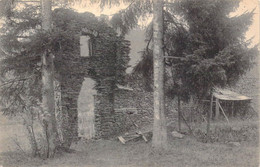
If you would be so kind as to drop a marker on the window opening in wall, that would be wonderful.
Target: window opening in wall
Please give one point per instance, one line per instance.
(86, 46)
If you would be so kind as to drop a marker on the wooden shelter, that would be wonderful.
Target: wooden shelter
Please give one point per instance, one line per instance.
(230, 102)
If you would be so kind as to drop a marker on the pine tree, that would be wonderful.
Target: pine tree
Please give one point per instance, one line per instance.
(204, 46)
(210, 45)
(127, 19)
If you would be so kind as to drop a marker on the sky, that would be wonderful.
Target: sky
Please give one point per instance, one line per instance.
(248, 5)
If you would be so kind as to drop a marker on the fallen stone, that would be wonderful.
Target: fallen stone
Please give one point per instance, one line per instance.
(121, 139)
(177, 135)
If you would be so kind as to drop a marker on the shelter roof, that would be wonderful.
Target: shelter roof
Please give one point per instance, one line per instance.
(225, 94)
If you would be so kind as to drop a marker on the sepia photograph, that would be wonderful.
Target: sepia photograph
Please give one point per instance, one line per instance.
(129, 83)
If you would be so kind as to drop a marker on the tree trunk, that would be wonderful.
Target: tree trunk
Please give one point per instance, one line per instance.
(28, 119)
(179, 113)
(48, 104)
(217, 109)
(159, 140)
(32, 140)
(209, 113)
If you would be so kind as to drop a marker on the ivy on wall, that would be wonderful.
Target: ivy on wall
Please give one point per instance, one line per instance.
(23, 42)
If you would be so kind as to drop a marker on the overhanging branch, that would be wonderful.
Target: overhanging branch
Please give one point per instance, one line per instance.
(15, 80)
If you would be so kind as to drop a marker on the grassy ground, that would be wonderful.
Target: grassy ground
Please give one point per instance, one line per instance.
(111, 153)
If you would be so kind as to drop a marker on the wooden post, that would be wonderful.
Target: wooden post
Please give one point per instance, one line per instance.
(211, 105)
(179, 113)
(217, 109)
(223, 112)
(232, 108)
(209, 113)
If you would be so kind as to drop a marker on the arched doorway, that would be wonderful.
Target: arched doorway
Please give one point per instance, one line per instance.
(86, 115)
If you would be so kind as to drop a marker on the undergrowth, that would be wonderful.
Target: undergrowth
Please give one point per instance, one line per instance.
(226, 134)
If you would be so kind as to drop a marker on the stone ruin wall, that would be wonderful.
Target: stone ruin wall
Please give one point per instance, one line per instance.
(111, 116)
(118, 114)
(136, 109)
(69, 84)
(115, 113)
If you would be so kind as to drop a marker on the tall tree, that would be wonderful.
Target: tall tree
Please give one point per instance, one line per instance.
(29, 22)
(128, 19)
(159, 140)
(12, 19)
(48, 101)
(20, 73)
(210, 44)
(205, 46)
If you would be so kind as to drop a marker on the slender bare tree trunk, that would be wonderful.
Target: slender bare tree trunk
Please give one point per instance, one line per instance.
(210, 113)
(217, 109)
(159, 140)
(48, 103)
(179, 113)
(28, 119)
(32, 140)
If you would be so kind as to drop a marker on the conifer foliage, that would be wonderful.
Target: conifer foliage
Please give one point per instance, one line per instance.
(210, 44)
(204, 47)
(23, 42)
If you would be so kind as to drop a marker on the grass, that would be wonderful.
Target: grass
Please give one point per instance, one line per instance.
(181, 152)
